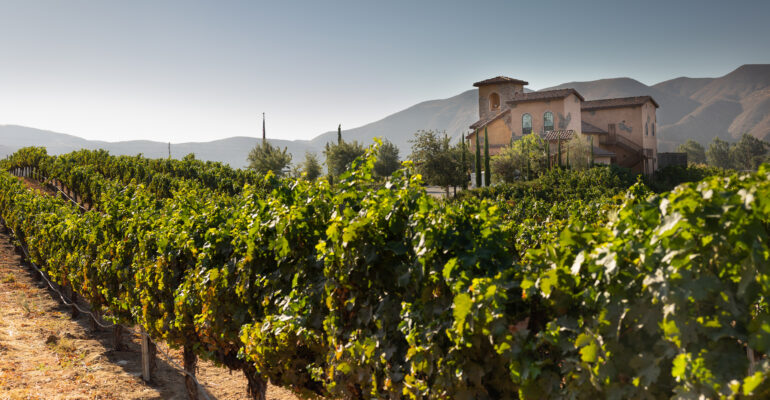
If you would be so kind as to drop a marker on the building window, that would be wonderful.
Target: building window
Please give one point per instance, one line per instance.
(547, 121)
(526, 124)
(646, 129)
(653, 129)
(494, 101)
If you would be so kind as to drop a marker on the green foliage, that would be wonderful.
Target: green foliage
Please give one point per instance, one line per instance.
(265, 157)
(579, 152)
(523, 159)
(487, 169)
(695, 151)
(387, 159)
(437, 160)
(748, 153)
(555, 185)
(567, 286)
(311, 167)
(718, 154)
(340, 156)
(666, 179)
(478, 161)
(464, 160)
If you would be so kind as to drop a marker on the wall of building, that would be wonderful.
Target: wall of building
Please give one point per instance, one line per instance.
(536, 109)
(504, 90)
(627, 120)
(628, 124)
(571, 115)
(499, 136)
(650, 141)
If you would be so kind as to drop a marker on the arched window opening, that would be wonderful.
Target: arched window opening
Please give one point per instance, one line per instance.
(646, 129)
(653, 129)
(547, 121)
(494, 101)
(526, 124)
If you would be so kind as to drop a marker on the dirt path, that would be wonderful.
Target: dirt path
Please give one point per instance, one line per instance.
(33, 184)
(45, 354)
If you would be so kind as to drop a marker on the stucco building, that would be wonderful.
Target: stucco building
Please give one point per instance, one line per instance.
(624, 129)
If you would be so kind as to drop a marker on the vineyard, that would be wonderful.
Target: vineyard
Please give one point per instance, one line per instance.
(577, 285)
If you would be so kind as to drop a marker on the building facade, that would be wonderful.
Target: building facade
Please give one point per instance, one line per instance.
(623, 130)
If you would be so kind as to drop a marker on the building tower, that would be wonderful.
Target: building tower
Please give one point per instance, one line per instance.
(494, 92)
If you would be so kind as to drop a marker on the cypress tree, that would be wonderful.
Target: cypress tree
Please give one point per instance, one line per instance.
(339, 134)
(478, 161)
(558, 143)
(591, 162)
(464, 166)
(487, 172)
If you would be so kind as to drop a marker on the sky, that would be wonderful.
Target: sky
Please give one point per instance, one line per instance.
(189, 70)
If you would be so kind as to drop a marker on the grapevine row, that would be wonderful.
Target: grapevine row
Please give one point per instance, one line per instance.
(381, 291)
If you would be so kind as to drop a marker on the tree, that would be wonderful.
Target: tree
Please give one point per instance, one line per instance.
(436, 160)
(580, 152)
(387, 159)
(464, 160)
(696, 153)
(487, 170)
(749, 153)
(522, 155)
(339, 134)
(339, 156)
(266, 157)
(311, 167)
(718, 154)
(478, 161)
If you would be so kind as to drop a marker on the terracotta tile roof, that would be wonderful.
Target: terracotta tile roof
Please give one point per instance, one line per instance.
(564, 134)
(544, 95)
(499, 79)
(484, 122)
(585, 127)
(618, 102)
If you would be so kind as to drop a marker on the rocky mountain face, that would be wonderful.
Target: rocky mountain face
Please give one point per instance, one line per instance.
(690, 108)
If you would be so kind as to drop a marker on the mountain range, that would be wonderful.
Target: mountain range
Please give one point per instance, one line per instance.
(690, 108)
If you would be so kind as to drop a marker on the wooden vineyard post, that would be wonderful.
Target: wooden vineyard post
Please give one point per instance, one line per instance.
(117, 340)
(95, 320)
(73, 298)
(190, 361)
(148, 357)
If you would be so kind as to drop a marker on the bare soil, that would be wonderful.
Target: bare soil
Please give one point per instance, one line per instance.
(46, 354)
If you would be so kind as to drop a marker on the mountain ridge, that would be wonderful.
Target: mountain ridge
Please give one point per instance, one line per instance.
(691, 108)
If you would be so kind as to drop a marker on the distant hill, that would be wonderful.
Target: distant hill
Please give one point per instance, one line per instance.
(690, 108)
(452, 115)
(232, 150)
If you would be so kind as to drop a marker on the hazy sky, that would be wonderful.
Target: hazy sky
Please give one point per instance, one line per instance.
(202, 70)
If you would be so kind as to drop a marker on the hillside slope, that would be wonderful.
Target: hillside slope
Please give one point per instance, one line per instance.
(452, 115)
(690, 108)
